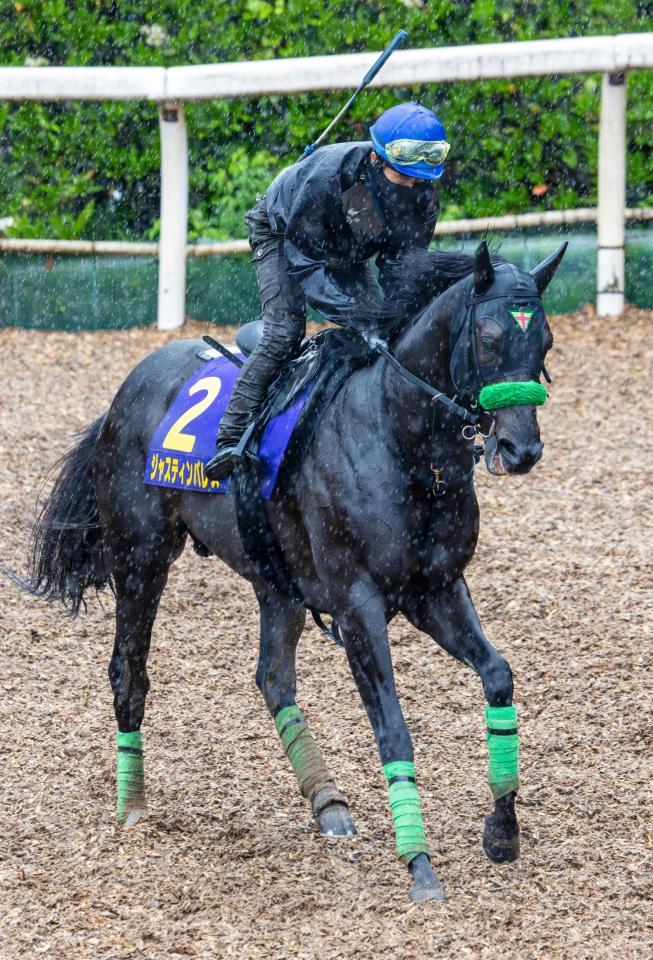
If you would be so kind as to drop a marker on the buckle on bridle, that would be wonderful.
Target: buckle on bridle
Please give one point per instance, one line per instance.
(439, 487)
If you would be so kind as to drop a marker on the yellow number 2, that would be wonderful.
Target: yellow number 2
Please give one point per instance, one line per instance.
(184, 442)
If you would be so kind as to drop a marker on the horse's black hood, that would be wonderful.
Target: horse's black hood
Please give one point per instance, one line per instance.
(501, 330)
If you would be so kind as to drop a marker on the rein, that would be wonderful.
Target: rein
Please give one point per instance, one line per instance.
(452, 406)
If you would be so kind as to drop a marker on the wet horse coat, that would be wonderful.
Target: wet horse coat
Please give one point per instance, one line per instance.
(359, 527)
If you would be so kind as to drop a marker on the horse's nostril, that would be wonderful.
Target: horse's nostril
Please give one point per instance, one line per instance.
(520, 455)
(508, 450)
(533, 452)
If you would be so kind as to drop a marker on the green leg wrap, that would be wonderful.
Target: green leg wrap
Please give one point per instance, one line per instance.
(129, 773)
(503, 746)
(406, 811)
(315, 781)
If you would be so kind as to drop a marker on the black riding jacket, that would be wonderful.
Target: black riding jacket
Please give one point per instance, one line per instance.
(335, 210)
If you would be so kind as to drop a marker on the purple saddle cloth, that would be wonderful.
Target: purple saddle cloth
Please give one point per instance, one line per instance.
(184, 440)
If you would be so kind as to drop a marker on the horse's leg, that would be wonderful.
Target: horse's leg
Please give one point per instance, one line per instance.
(281, 628)
(138, 591)
(450, 618)
(364, 628)
(142, 537)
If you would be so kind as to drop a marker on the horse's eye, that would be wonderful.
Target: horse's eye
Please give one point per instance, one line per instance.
(489, 340)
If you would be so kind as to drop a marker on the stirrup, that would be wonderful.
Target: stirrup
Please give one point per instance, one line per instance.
(228, 457)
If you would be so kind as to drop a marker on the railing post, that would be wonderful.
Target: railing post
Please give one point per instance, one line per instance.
(174, 216)
(611, 266)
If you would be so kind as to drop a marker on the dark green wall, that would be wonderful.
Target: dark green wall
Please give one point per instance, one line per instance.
(73, 293)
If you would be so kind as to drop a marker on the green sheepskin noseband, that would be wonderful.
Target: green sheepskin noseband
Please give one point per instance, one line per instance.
(512, 394)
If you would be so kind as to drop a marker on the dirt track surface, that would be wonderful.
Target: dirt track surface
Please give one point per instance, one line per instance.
(229, 865)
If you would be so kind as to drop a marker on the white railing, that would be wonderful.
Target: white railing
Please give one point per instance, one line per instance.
(171, 87)
(222, 248)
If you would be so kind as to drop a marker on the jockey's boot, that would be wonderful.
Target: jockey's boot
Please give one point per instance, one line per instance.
(230, 455)
(223, 462)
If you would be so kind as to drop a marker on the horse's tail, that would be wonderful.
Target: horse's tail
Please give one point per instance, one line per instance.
(66, 552)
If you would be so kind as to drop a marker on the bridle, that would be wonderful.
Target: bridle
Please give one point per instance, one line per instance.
(464, 318)
(476, 421)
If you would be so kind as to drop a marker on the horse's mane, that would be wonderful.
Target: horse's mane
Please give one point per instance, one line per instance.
(417, 276)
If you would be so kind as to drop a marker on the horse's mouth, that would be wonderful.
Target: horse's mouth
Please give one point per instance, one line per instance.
(493, 459)
(505, 458)
(496, 465)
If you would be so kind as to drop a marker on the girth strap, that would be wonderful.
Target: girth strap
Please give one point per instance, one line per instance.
(262, 549)
(256, 534)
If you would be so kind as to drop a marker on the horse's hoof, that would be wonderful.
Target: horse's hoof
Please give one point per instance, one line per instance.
(133, 817)
(501, 839)
(426, 885)
(335, 821)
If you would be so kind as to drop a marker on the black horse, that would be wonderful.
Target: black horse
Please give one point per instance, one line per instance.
(381, 518)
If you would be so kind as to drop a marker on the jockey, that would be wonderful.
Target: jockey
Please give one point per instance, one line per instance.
(312, 236)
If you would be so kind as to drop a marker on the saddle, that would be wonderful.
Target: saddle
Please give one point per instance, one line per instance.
(323, 365)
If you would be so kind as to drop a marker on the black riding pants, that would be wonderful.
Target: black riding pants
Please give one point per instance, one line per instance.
(284, 316)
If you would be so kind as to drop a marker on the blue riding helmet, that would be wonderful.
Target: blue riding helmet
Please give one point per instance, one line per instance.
(412, 140)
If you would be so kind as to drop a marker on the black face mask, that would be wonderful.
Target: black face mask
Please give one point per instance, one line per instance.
(399, 206)
(500, 335)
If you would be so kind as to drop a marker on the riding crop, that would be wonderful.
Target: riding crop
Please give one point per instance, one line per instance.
(396, 41)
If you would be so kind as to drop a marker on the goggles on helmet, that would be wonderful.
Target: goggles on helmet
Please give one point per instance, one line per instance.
(408, 152)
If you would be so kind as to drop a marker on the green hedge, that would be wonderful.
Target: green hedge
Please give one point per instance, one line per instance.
(92, 170)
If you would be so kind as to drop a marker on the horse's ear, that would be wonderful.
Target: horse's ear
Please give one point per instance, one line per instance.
(483, 269)
(543, 273)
